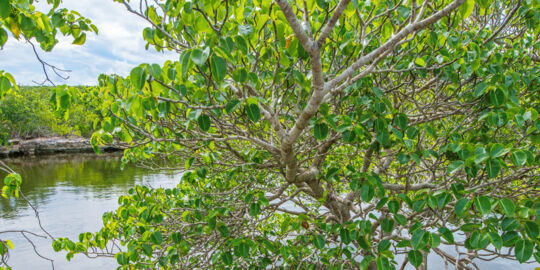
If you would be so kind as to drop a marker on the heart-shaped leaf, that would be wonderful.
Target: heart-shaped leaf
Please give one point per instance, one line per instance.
(320, 131)
(204, 122)
(253, 112)
(415, 257)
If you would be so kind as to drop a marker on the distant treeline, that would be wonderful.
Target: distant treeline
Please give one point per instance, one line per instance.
(31, 112)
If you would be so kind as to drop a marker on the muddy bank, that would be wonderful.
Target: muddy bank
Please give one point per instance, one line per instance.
(53, 145)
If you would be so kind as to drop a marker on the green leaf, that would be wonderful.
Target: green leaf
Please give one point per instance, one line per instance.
(418, 239)
(156, 237)
(331, 173)
(177, 237)
(254, 209)
(400, 120)
(345, 235)
(219, 68)
(509, 224)
(496, 240)
(523, 250)
(383, 263)
(482, 204)
(401, 219)
(355, 184)
(5, 84)
(380, 107)
(480, 89)
(378, 92)
(232, 106)
(320, 131)
(241, 44)
(227, 258)
(403, 158)
(243, 249)
(367, 192)
(138, 77)
(386, 30)
(393, 206)
(462, 205)
(319, 241)
(80, 39)
(204, 122)
(498, 150)
(507, 206)
(199, 56)
(519, 157)
(3, 36)
(240, 75)
(480, 157)
(223, 230)
(122, 258)
(419, 61)
(537, 256)
(154, 70)
(435, 240)
(387, 225)
(446, 234)
(383, 137)
(466, 9)
(5, 9)
(403, 11)
(493, 168)
(147, 250)
(415, 257)
(383, 245)
(65, 101)
(455, 166)
(483, 3)
(253, 112)
(497, 97)
(363, 242)
(532, 229)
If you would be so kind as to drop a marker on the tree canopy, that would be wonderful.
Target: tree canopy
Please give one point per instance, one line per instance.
(328, 134)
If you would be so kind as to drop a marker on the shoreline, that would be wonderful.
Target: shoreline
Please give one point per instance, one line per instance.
(52, 146)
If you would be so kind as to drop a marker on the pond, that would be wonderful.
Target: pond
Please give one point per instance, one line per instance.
(72, 192)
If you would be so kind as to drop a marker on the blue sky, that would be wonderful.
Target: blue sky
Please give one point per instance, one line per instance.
(117, 48)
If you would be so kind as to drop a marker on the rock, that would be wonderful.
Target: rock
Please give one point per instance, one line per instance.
(53, 145)
(14, 141)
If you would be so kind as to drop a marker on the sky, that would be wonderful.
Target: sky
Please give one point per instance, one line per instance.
(118, 47)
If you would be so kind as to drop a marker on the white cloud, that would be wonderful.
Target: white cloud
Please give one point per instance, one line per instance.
(117, 49)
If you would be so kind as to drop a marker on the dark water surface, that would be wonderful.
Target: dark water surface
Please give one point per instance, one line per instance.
(71, 193)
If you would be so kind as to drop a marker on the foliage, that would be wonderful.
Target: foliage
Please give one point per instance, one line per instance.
(33, 112)
(7, 82)
(329, 134)
(27, 113)
(78, 107)
(11, 188)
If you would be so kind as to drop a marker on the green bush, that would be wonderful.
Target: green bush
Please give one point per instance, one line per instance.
(26, 113)
(35, 112)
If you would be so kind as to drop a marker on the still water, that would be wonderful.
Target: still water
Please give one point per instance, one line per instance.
(72, 192)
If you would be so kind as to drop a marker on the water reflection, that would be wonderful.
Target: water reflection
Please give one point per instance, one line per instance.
(71, 193)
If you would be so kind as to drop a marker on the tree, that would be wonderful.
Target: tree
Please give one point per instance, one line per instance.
(328, 134)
